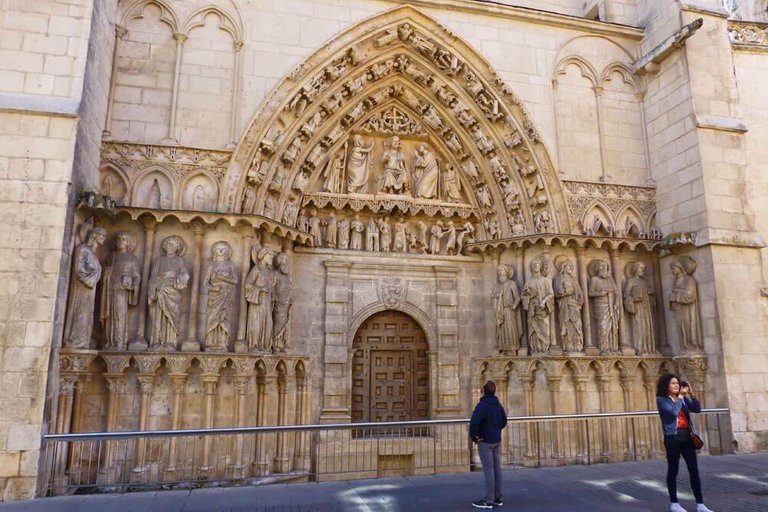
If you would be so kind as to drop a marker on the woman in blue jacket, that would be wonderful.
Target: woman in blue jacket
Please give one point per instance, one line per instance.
(675, 401)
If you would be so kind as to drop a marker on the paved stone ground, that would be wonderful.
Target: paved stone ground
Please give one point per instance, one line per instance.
(732, 483)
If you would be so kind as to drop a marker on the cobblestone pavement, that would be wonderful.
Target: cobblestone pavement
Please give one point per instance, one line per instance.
(732, 483)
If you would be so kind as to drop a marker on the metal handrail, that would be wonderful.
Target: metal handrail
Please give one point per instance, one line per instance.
(139, 434)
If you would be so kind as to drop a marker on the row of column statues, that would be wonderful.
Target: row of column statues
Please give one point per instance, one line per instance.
(350, 169)
(266, 290)
(379, 235)
(554, 308)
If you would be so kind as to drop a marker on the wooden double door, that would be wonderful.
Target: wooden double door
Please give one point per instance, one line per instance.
(390, 369)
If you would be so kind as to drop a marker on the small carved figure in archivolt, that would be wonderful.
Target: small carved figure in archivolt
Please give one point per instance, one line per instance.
(334, 172)
(393, 178)
(86, 272)
(465, 236)
(436, 236)
(282, 307)
(169, 277)
(220, 283)
(450, 241)
(119, 291)
(259, 289)
(302, 222)
(684, 303)
(539, 301)
(427, 173)
(316, 228)
(638, 302)
(570, 298)
(358, 165)
(357, 228)
(603, 291)
(505, 301)
(331, 231)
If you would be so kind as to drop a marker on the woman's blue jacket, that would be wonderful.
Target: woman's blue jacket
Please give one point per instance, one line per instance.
(669, 410)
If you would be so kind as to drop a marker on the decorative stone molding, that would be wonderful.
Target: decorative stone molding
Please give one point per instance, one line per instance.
(578, 241)
(748, 35)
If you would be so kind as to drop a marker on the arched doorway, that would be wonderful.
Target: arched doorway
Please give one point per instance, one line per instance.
(390, 369)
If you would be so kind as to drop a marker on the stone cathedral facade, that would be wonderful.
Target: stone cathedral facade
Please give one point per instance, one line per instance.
(243, 212)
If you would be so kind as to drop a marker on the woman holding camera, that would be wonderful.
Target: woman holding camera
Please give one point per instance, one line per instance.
(675, 401)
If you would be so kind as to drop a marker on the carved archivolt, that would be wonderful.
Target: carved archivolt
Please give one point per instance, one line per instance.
(399, 74)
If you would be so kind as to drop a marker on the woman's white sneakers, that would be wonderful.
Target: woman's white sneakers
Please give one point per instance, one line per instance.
(675, 507)
(700, 507)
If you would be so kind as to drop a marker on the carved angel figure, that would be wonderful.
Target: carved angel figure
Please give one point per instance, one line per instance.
(169, 277)
(86, 272)
(120, 289)
(427, 173)
(220, 282)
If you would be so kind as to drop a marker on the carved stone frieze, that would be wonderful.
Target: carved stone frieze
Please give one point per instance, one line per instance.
(748, 34)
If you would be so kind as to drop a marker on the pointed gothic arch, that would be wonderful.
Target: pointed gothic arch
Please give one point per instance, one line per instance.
(400, 58)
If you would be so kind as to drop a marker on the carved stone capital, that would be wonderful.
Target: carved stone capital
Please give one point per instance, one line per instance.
(180, 38)
(67, 385)
(120, 32)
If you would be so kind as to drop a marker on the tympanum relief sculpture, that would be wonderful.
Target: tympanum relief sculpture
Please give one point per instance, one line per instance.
(120, 290)
(684, 303)
(86, 272)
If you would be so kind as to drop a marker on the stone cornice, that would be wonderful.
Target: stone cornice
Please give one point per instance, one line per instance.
(530, 15)
(576, 241)
(39, 105)
(703, 8)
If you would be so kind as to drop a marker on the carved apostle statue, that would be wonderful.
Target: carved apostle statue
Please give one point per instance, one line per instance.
(505, 301)
(358, 165)
(343, 234)
(282, 307)
(220, 283)
(603, 291)
(168, 278)
(684, 303)
(86, 272)
(120, 290)
(259, 288)
(394, 176)
(638, 303)
(539, 301)
(357, 228)
(570, 298)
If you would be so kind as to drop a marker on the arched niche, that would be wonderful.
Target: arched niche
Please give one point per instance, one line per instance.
(113, 183)
(472, 115)
(199, 192)
(153, 189)
(598, 221)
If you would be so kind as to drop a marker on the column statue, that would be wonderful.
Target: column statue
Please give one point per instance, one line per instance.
(538, 300)
(220, 283)
(570, 298)
(119, 291)
(259, 287)
(684, 303)
(638, 303)
(603, 290)
(282, 308)
(169, 276)
(86, 272)
(505, 301)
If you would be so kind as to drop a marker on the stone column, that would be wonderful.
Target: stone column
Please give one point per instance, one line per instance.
(260, 460)
(171, 137)
(652, 423)
(553, 382)
(146, 383)
(241, 344)
(211, 384)
(76, 451)
(603, 382)
(115, 383)
(281, 461)
(233, 128)
(433, 390)
(531, 449)
(661, 322)
(63, 424)
(120, 33)
(601, 131)
(140, 343)
(580, 384)
(300, 451)
(179, 384)
(586, 319)
(630, 434)
(624, 343)
(192, 344)
(242, 384)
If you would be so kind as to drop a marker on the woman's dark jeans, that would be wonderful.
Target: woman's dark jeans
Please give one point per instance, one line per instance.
(675, 449)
